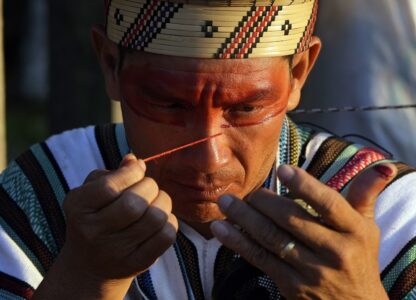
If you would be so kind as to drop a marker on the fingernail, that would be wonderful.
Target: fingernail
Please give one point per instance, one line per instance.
(219, 229)
(142, 164)
(224, 202)
(384, 171)
(286, 173)
(127, 158)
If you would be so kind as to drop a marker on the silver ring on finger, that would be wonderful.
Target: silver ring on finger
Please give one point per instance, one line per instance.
(287, 249)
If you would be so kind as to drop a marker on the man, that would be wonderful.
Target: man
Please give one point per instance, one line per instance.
(177, 228)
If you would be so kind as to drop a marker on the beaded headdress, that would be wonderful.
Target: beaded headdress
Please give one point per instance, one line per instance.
(213, 29)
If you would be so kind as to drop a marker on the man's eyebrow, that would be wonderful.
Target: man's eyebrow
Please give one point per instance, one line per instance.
(258, 95)
(254, 96)
(162, 94)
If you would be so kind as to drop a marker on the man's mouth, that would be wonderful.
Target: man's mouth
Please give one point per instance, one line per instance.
(205, 192)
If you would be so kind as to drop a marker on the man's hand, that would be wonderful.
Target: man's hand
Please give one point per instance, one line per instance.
(334, 256)
(118, 224)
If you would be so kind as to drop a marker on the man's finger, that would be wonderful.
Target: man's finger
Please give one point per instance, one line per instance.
(334, 210)
(130, 206)
(286, 214)
(256, 255)
(95, 175)
(367, 186)
(255, 224)
(148, 252)
(155, 218)
(106, 189)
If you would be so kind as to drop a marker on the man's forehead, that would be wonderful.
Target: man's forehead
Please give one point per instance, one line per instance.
(142, 61)
(230, 81)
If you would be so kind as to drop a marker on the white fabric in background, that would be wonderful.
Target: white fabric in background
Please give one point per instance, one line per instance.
(368, 58)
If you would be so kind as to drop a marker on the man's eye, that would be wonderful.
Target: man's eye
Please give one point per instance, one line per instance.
(177, 105)
(245, 109)
(170, 106)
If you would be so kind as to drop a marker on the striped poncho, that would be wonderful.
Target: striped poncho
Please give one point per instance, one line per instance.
(32, 223)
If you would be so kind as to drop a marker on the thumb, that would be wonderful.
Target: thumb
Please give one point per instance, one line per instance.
(127, 159)
(367, 186)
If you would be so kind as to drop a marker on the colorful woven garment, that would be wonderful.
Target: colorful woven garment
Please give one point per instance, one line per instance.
(32, 223)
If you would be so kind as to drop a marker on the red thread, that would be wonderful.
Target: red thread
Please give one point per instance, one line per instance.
(181, 148)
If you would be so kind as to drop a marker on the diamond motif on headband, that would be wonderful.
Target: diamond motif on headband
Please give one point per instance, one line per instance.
(209, 29)
(118, 16)
(287, 27)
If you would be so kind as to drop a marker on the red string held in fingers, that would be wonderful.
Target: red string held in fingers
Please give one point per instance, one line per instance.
(181, 148)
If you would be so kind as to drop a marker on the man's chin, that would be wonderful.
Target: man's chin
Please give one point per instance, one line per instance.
(199, 213)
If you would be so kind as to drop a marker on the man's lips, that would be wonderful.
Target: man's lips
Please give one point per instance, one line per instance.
(208, 192)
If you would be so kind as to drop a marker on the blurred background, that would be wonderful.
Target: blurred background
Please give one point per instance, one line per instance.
(368, 59)
(53, 82)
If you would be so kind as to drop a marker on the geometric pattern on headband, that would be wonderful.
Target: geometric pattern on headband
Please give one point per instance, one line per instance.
(213, 29)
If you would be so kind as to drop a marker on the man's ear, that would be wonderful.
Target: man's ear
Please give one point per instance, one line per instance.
(108, 57)
(302, 65)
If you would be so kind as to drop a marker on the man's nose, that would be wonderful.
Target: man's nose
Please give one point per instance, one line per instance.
(212, 155)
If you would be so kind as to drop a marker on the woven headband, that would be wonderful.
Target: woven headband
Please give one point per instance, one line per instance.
(213, 29)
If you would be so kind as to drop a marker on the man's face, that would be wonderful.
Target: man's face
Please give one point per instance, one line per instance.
(169, 101)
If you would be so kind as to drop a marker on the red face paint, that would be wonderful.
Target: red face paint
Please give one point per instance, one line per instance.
(169, 152)
(271, 116)
(270, 110)
(210, 95)
(143, 105)
(179, 118)
(157, 106)
(141, 111)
